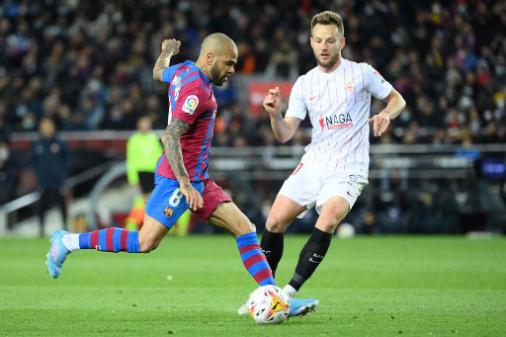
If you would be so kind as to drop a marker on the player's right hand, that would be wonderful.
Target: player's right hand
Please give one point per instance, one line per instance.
(193, 197)
(272, 102)
(172, 45)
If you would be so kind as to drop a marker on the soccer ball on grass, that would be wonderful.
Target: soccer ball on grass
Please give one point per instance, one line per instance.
(268, 305)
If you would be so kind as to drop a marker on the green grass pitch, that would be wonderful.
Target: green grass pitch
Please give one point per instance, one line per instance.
(368, 286)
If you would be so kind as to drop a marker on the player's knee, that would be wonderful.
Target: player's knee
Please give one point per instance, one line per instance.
(275, 225)
(329, 222)
(332, 215)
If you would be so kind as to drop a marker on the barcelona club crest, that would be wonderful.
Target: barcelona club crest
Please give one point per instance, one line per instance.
(167, 211)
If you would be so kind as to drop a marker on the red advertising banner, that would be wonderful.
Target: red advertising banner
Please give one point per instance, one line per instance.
(258, 90)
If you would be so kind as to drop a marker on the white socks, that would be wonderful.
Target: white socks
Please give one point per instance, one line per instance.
(71, 241)
(290, 291)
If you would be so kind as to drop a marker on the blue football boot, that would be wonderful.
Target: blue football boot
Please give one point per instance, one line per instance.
(302, 307)
(57, 254)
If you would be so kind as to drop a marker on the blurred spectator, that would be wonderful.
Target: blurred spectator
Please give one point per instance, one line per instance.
(143, 151)
(283, 63)
(50, 162)
(8, 172)
(467, 149)
(87, 64)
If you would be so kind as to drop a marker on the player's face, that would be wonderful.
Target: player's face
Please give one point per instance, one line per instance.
(327, 45)
(223, 67)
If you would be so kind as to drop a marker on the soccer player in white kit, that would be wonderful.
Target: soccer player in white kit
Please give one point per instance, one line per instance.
(336, 95)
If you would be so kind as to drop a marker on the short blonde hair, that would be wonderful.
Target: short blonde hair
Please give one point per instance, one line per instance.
(328, 18)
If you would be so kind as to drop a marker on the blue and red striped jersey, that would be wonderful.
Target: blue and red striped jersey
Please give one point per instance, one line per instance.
(191, 100)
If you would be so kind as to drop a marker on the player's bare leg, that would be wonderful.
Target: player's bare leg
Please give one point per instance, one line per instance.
(284, 210)
(151, 233)
(229, 217)
(332, 213)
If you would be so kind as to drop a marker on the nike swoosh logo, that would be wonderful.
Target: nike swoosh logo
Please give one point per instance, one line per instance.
(311, 259)
(312, 98)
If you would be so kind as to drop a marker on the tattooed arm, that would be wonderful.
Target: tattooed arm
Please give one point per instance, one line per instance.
(170, 140)
(169, 49)
(172, 146)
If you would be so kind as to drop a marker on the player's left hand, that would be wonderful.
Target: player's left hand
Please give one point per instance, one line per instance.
(272, 102)
(172, 45)
(380, 123)
(193, 197)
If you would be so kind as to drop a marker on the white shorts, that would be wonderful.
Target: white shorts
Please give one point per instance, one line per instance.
(308, 186)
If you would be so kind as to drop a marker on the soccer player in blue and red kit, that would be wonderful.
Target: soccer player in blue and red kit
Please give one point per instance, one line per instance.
(182, 180)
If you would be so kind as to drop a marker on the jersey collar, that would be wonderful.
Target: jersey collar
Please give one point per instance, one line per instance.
(343, 60)
(202, 75)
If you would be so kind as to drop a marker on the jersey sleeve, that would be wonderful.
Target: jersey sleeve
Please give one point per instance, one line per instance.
(189, 104)
(296, 105)
(375, 83)
(168, 73)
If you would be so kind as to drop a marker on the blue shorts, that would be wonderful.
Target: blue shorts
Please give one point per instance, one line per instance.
(166, 203)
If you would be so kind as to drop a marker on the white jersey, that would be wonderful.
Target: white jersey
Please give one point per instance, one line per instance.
(339, 105)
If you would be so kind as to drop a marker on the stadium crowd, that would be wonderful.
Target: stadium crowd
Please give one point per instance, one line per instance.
(88, 64)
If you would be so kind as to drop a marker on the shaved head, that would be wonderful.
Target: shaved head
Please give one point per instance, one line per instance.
(217, 58)
(218, 44)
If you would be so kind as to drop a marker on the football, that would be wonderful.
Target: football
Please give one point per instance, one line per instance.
(268, 305)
